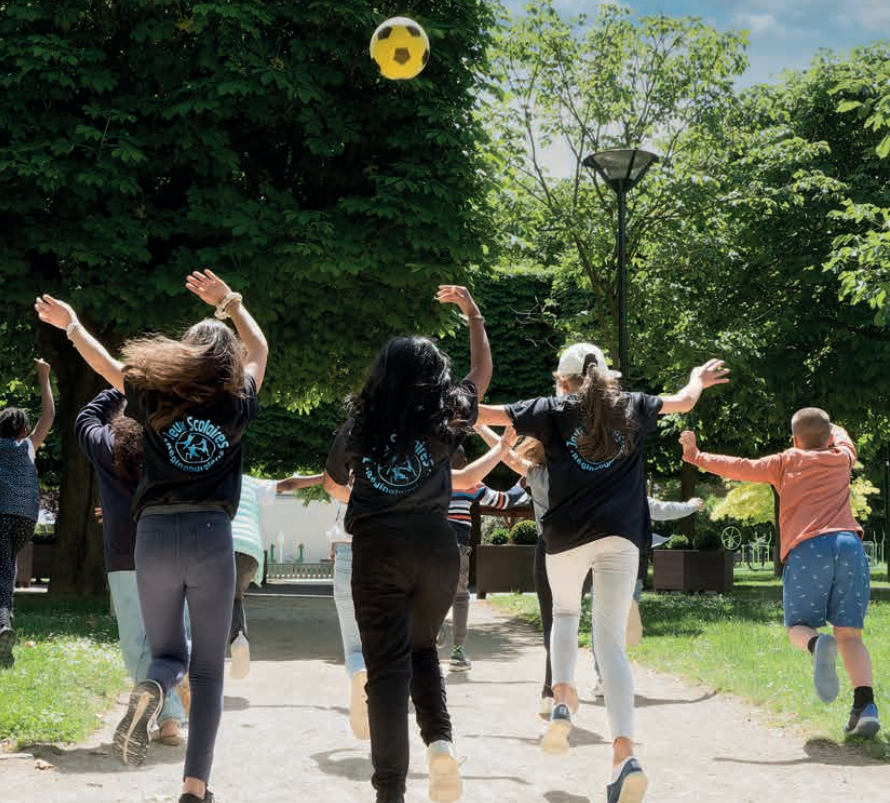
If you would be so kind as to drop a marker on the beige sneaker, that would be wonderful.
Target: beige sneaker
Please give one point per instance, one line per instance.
(446, 785)
(634, 625)
(358, 706)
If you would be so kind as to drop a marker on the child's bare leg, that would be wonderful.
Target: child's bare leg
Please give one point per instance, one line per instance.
(855, 656)
(800, 636)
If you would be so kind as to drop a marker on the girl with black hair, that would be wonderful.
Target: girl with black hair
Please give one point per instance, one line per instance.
(195, 398)
(396, 449)
(19, 496)
(596, 518)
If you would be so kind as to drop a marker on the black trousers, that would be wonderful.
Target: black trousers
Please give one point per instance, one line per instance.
(545, 603)
(15, 534)
(245, 570)
(403, 583)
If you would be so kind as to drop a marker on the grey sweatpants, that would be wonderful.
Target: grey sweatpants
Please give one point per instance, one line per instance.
(460, 608)
(188, 557)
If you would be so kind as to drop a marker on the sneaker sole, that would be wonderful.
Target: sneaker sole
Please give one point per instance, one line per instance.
(358, 707)
(240, 667)
(457, 667)
(7, 642)
(555, 741)
(446, 785)
(825, 669)
(132, 737)
(866, 728)
(633, 790)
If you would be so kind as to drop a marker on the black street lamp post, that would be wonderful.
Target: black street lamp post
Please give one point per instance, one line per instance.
(621, 170)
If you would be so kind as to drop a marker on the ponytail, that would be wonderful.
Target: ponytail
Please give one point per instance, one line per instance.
(607, 419)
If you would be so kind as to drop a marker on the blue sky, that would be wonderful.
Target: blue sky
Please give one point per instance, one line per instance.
(784, 34)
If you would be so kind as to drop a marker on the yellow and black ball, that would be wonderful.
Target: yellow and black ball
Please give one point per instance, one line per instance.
(401, 48)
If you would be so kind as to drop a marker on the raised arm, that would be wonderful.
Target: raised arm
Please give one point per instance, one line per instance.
(478, 469)
(494, 415)
(713, 372)
(766, 469)
(338, 492)
(210, 288)
(61, 315)
(480, 352)
(519, 464)
(47, 406)
(296, 483)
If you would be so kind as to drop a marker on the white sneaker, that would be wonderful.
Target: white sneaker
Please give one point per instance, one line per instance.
(446, 785)
(598, 690)
(546, 707)
(634, 625)
(358, 706)
(240, 667)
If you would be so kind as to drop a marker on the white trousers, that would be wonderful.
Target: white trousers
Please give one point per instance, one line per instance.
(614, 561)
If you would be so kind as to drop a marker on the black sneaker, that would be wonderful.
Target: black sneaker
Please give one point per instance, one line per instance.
(630, 786)
(7, 642)
(132, 736)
(556, 737)
(188, 797)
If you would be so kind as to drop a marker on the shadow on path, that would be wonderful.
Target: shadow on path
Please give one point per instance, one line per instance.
(819, 751)
(100, 759)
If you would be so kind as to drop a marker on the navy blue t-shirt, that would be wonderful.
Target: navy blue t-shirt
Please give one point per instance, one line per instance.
(387, 489)
(93, 429)
(589, 500)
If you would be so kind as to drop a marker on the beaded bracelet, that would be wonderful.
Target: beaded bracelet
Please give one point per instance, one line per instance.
(223, 306)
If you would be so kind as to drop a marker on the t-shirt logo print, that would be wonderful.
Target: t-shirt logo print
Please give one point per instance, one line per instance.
(583, 462)
(195, 444)
(398, 474)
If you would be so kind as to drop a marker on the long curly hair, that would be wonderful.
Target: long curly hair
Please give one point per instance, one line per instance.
(13, 422)
(608, 423)
(408, 395)
(128, 451)
(206, 363)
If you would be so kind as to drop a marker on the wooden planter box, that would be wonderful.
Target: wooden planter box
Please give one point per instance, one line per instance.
(504, 569)
(692, 570)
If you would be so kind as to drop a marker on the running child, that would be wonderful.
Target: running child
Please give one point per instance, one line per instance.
(826, 577)
(593, 435)
(396, 449)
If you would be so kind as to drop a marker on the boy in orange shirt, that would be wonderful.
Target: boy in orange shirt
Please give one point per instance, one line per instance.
(826, 576)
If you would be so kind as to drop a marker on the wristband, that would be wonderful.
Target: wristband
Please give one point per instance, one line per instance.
(223, 306)
(72, 327)
(476, 318)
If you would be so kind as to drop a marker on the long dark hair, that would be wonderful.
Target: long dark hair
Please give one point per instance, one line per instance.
(207, 362)
(128, 451)
(607, 419)
(408, 396)
(13, 421)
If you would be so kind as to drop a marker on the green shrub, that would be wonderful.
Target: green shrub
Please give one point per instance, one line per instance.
(678, 542)
(708, 539)
(44, 534)
(524, 533)
(500, 537)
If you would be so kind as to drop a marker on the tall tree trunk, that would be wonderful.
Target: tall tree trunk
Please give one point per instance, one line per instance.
(78, 562)
(688, 481)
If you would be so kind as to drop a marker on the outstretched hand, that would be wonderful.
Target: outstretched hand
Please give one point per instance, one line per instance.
(508, 439)
(455, 294)
(207, 286)
(54, 312)
(689, 444)
(713, 372)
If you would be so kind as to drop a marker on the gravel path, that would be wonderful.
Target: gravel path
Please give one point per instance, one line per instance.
(285, 736)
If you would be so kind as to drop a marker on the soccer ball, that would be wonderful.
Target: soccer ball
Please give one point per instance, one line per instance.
(401, 48)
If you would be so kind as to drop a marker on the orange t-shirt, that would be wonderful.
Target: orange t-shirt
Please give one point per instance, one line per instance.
(813, 486)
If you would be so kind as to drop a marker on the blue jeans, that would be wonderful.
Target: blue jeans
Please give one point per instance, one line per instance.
(134, 644)
(352, 641)
(188, 558)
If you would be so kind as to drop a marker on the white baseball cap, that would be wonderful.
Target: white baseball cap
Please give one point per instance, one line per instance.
(571, 363)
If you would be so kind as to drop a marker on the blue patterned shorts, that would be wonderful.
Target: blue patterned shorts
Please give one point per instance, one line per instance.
(827, 579)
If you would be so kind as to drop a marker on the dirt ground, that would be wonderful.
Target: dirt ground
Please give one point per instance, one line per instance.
(285, 735)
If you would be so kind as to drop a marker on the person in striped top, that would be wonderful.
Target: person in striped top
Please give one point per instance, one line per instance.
(462, 500)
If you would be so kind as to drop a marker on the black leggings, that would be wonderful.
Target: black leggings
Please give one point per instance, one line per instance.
(15, 534)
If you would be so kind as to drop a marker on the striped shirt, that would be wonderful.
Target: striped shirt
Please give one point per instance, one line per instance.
(462, 500)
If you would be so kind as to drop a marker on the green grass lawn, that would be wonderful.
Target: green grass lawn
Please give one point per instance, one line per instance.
(736, 643)
(61, 684)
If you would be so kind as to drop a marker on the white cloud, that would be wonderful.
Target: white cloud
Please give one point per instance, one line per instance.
(756, 23)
